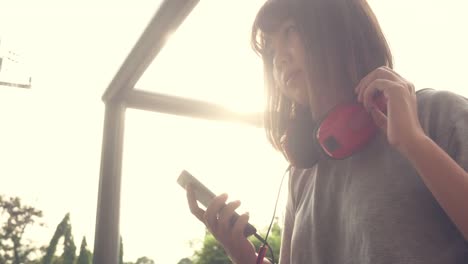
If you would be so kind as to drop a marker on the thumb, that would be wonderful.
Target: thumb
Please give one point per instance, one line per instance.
(380, 119)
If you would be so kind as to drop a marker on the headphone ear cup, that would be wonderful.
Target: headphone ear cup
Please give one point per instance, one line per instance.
(299, 143)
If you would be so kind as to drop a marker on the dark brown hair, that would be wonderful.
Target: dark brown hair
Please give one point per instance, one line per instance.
(344, 42)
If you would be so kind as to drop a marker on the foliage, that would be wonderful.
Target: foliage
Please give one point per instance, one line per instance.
(185, 261)
(69, 251)
(213, 253)
(13, 248)
(15, 218)
(85, 254)
(144, 260)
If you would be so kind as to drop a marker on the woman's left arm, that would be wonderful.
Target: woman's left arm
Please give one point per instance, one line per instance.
(447, 181)
(445, 178)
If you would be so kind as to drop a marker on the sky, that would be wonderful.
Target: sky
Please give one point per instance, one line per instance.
(50, 137)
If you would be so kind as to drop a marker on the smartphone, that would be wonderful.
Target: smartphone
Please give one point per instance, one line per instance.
(204, 196)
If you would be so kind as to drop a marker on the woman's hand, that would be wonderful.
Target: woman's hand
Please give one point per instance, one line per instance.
(401, 124)
(217, 219)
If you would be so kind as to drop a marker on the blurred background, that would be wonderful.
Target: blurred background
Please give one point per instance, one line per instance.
(58, 57)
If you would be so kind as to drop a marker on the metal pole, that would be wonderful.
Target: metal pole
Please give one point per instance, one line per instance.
(107, 235)
(162, 103)
(167, 19)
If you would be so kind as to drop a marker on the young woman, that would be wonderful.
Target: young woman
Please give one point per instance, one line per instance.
(403, 198)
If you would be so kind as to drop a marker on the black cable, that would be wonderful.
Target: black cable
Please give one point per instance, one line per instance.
(272, 254)
(264, 241)
(259, 238)
(276, 203)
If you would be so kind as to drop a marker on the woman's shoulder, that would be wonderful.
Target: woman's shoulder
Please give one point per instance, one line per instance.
(444, 117)
(430, 99)
(440, 110)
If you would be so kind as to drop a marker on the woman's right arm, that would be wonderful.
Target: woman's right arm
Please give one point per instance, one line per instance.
(217, 219)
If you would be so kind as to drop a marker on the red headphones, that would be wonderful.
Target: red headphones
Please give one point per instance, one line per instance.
(345, 130)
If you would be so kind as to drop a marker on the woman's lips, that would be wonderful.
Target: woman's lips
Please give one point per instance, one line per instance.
(291, 77)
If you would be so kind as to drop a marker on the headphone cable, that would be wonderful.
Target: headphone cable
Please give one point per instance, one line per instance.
(261, 253)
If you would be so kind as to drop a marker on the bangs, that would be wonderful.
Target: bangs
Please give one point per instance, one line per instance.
(270, 16)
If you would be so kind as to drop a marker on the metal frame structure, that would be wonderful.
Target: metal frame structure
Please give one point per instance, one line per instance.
(118, 97)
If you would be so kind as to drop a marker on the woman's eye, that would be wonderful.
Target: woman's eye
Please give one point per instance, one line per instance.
(291, 29)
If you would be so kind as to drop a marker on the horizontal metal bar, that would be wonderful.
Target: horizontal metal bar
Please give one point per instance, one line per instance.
(187, 107)
(17, 85)
(166, 20)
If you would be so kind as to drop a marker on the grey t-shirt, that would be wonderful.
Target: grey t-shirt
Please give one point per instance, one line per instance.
(373, 208)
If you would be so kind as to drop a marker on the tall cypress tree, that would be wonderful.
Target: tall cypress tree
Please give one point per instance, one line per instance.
(85, 255)
(69, 250)
(59, 232)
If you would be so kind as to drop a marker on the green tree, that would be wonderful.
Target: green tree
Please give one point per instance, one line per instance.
(85, 254)
(185, 261)
(15, 218)
(213, 253)
(144, 260)
(69, 250)
(59, 232)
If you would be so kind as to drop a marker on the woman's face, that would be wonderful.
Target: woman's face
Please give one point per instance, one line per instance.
(289, 68)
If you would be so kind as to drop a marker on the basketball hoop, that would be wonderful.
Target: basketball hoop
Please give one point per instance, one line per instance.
(13, 69)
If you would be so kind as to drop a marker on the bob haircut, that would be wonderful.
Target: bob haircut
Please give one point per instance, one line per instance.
(343, 41)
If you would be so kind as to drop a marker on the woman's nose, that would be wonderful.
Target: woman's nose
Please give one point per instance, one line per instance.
(282, 59)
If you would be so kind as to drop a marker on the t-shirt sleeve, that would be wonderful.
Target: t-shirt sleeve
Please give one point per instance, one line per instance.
(444, 117)
(285, 252)
(458, 142)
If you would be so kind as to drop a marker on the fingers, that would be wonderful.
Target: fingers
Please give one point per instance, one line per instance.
(382, 73)
(194, 208)
(380, 119)
(225, 220)
(239, 226)
(379, 73)
(211, 214)
(220, 218)
(367, 95)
